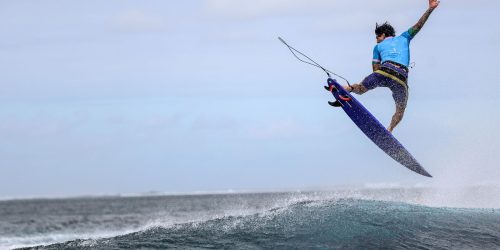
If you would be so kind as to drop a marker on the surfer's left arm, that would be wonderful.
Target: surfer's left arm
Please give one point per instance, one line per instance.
(433, 4)
(376, 59)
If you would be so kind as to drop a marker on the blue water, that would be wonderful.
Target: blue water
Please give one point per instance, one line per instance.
(244, 221)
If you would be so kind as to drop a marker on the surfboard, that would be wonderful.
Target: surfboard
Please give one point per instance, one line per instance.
(373, 129)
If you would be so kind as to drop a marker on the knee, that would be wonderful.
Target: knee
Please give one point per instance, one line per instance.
(359, 89)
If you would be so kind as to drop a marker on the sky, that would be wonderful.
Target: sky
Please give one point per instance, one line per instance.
(118, 97)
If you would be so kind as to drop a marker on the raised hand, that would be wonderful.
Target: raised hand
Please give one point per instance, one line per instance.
(433, 4)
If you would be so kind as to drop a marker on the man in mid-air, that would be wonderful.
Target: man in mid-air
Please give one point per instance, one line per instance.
(391, 57)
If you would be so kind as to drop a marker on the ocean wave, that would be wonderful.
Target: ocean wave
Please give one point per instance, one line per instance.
(319, 223)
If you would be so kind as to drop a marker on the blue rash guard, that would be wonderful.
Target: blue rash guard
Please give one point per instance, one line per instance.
(396, 49)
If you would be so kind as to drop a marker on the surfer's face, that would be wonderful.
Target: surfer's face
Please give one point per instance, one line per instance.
(380, 37)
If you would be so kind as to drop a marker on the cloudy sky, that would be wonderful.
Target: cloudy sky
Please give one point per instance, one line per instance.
(106, 97)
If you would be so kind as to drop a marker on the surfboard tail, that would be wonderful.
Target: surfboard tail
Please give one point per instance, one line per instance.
(424, 173)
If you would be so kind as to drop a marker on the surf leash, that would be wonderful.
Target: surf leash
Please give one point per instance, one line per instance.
(311, 61)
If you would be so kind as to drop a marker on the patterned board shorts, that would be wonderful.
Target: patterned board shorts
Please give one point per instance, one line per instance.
(391, 77)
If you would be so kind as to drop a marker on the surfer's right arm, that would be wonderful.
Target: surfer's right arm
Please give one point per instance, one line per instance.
(418, 26)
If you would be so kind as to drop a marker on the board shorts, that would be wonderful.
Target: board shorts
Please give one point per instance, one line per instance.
(392, 76)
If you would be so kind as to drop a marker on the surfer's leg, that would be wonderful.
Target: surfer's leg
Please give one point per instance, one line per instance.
(397, 117)
(400, 95)
(370, 82)
(356, 88)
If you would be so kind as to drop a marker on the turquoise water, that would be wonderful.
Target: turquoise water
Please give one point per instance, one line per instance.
(243, 221)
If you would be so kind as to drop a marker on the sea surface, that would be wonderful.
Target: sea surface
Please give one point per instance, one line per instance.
(388, 218)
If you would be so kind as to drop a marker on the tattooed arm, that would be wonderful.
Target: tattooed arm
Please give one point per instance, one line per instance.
(418, 26)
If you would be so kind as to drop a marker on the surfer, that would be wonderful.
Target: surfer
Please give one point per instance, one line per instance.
(391, 57)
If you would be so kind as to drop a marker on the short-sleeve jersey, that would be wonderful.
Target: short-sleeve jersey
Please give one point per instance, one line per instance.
(396, 49)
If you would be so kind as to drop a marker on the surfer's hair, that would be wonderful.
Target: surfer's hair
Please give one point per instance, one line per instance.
(385, 28)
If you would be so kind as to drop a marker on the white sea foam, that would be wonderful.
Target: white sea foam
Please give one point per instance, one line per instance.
(52, 238)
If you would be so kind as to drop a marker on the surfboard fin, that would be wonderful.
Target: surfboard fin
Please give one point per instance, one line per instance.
(335, 104)
(330, 88)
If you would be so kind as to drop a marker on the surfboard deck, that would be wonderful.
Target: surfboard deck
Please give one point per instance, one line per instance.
(374, 130)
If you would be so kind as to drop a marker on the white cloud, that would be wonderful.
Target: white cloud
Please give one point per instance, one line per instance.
(258, 8)
(139, 20)
(285, 128)
(215, 123)
(276, 8)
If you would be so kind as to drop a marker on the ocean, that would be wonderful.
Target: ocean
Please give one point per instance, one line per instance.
(373, 218)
